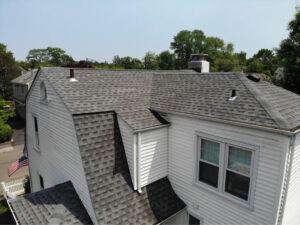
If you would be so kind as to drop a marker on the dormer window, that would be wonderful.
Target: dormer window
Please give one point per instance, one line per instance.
(43, 92)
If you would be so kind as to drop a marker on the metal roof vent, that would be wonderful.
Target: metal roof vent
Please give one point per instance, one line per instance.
(233, 95)
(253, 77)
(72, 76)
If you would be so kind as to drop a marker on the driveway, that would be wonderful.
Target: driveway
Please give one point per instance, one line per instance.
(11, 151)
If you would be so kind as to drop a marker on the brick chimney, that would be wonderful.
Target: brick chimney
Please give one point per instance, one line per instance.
(199, 63)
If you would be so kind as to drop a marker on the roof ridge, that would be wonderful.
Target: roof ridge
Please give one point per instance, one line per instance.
(271, 111)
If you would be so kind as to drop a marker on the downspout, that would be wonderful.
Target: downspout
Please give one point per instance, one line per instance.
(286, 181)
(138, 162)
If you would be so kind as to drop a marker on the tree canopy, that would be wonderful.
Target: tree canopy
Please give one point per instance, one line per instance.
(8, 70)
(264, 61)
(289, 54)
(220, 55)
(150, 61)
(48, 57)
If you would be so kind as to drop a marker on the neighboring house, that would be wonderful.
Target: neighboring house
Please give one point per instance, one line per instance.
(170, 147)
(21, 85)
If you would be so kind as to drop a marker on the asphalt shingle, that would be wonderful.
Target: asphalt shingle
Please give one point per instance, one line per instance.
(56, 205)
(108, 177)
(132, 93)
(26, 77)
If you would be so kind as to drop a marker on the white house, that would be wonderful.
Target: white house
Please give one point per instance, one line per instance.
(145, 147)
(21, 85)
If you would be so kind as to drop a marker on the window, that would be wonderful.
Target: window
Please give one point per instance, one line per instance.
(226, 167)
(43, 92)
(36, 133)
(41, 182)
(238, 172)
(193, 220)
(209, 162)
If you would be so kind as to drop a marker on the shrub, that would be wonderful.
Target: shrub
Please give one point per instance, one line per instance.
(6, 133)
(27, 184)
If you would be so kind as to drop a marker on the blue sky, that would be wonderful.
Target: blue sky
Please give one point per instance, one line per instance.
(101, 29)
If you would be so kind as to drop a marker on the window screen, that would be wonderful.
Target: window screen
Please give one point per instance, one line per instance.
(238, 172)
(209, 162)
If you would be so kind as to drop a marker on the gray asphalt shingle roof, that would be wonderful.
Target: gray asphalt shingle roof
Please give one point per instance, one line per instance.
(131, 93)
(56, 205)
(109, 182)
(26, 77)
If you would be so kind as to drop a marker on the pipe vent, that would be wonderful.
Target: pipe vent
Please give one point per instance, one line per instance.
(72, 76)
(233, 95)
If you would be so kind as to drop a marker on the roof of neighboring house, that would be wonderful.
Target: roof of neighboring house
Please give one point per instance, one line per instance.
(26, 77)
(132, 93)
(109, 182)
(22, 69)
(56, 205)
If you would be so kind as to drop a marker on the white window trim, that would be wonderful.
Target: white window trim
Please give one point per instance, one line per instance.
(35, 146)
(223, 160)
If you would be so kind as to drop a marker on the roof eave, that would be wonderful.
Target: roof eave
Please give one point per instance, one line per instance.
(284, 131)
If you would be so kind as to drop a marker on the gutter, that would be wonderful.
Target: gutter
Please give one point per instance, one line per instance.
(151, 128)
(231, 122)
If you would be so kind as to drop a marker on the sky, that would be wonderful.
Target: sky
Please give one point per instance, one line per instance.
(100, 29)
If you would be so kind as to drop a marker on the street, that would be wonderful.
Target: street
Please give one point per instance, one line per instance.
(11, 151)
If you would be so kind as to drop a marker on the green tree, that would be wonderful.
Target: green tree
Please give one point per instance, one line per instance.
(264, 61)
(130, 63)
(289, 53)
(220, 55)
(24, 64)
(150, 61)
(166, 60)
(48, 57)
(117, 60)
(6, 112)
(8, 71)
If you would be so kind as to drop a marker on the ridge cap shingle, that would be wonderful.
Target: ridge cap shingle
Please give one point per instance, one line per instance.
(259, 96)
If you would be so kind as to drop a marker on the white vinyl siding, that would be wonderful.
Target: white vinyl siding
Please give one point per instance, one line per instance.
(153, 155)
(128, 142)
(213, 208)
(59, 158)
(292, 207)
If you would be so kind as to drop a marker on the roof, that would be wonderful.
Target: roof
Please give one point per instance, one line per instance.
(56, 205)
(132, 93)
(127, 92)
(109, 182)
(26, 77)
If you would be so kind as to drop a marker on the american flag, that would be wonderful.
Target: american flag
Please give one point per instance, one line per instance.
(23, 161)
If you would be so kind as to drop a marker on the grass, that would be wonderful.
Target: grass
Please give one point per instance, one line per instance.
(3, 206)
